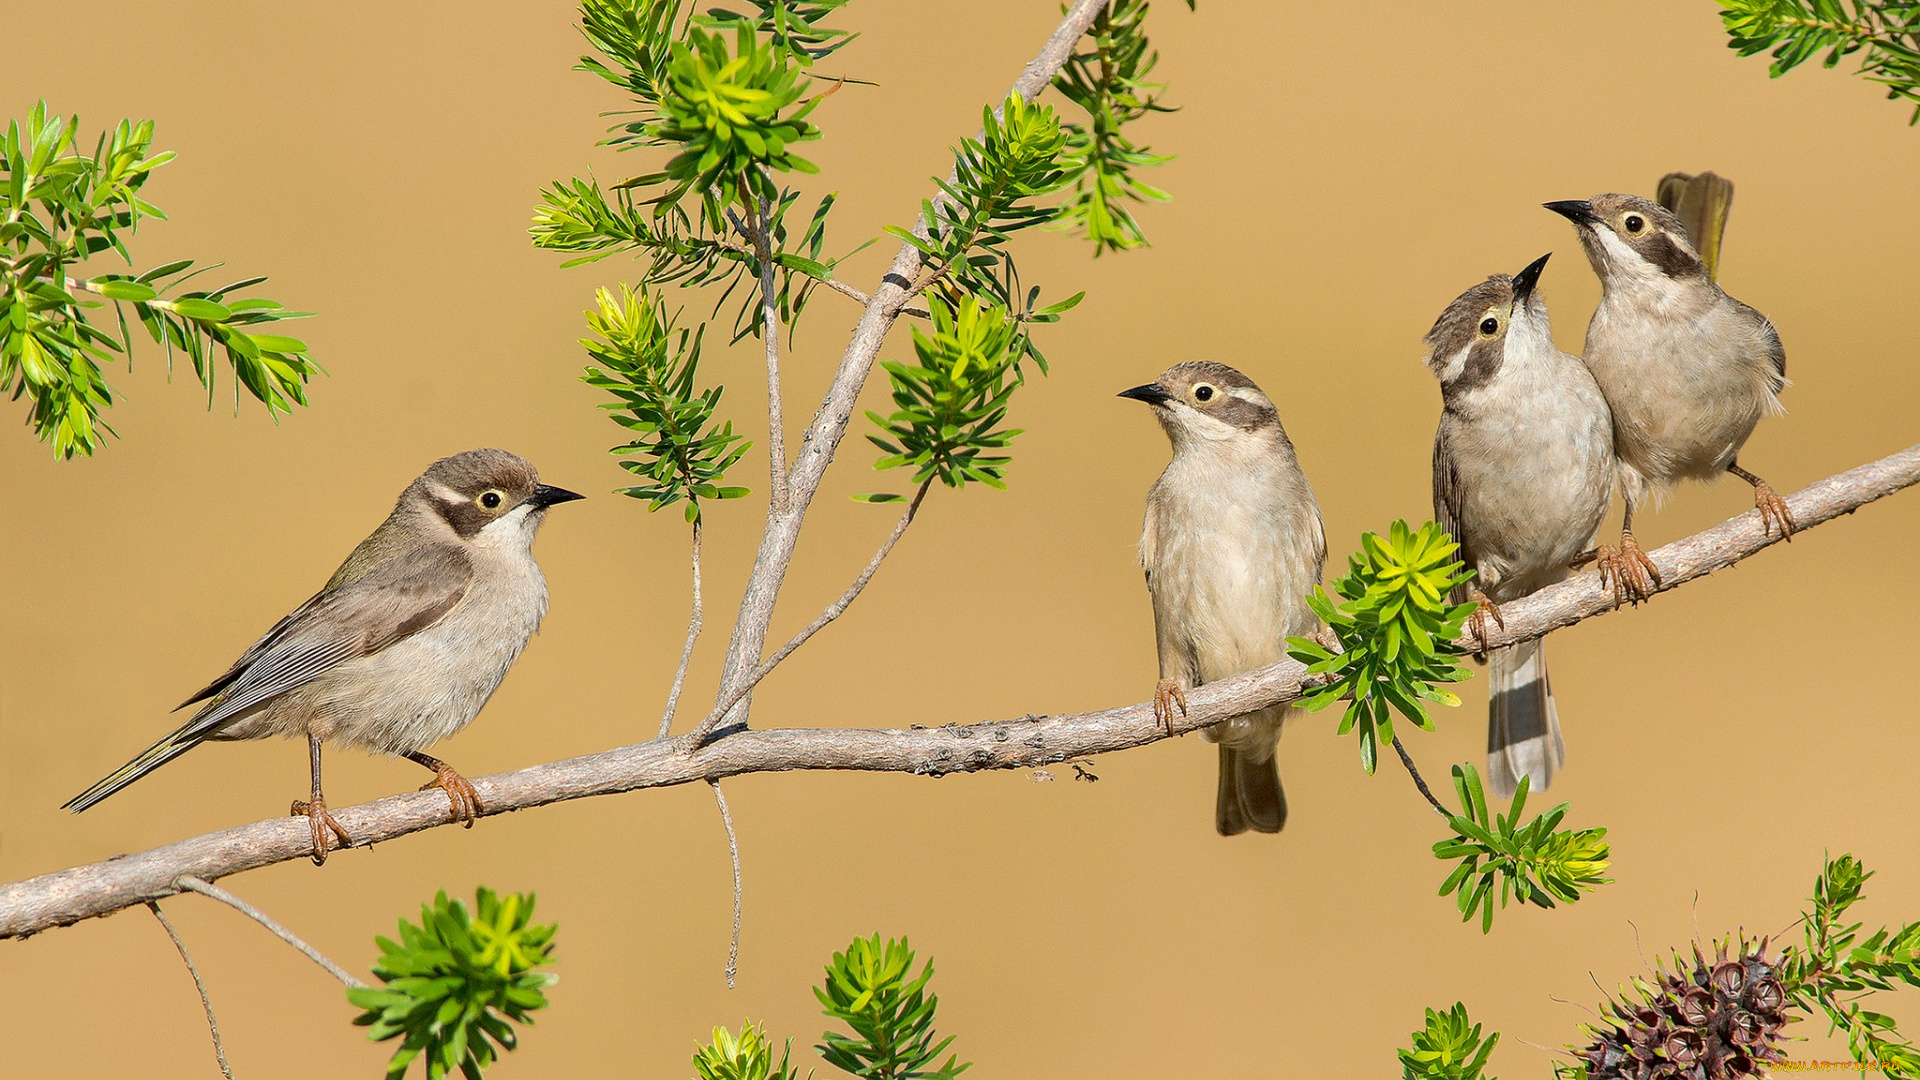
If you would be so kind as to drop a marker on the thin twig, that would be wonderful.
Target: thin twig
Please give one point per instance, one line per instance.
(762, 235)
(733, 851)
(1418, 781)
(834, 611)
(845, 289)
(85, 892)
(694, 623)
(206, 1003)
(189, 883)
(822, 438)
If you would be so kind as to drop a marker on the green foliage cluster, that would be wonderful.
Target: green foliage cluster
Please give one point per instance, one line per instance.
(1831, 973)
(1109, 83)
(948, 408)
(1449, 1047)
(1532, 863)
(1835, 969)
(732, 117)
(1395, 629)
(889, 1014)
(457, 983)
(998, 182)
(749, 1056)
(677, 451)
(59, 207)
(1795, 31)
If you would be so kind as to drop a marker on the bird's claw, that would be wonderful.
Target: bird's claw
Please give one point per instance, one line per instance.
(1477, 622)
(323, 822)
(460, 793)
(1774, 512)
(1166, 696)
(1628, 571)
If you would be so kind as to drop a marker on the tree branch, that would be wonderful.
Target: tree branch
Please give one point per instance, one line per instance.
(762, 236)
(733, 851)
(189, 883)
(834, 611)
(694, 624)
(830, 423)
(85, 892)
(206, 1003)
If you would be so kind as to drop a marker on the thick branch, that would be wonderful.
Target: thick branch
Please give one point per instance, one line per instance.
(830, 423)
(84, 892)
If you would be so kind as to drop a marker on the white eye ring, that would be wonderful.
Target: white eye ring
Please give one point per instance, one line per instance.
(491, 498)
(1203, 392)
(1634, 223)
(1489, 326)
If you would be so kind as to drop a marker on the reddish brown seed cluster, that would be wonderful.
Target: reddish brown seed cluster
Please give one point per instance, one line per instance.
(1713, 1020)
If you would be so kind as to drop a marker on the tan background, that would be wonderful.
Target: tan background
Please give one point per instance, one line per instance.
(1343, 173)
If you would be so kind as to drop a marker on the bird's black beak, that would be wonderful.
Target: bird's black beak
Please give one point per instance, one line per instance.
(1578, 211)
(1525, 280)
(1152, 394)
(544, 496)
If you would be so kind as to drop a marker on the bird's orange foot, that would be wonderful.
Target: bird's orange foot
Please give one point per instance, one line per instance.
(1167, 696)
(316, 814)
(1773, 511)
(1628, 570)
(1477, 622)
(460, 792)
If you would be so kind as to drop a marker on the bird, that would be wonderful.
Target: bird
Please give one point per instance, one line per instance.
(403, 645)
(1523, 472)
(1232, 545)
(1687, 370)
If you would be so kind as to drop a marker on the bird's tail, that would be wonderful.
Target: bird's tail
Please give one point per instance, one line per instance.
(179, 742)
(1250, 794)
(1523, 728)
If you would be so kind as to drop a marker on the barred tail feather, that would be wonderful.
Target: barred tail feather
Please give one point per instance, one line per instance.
(1523, 727)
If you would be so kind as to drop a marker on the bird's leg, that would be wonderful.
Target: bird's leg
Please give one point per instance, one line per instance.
(465, 800)
(1167, 695)
(1477, 622)
(315, 810)
(1773, 509)
(1627, 568)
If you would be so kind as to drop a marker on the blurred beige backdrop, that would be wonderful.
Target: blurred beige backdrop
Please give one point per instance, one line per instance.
(1343, 172)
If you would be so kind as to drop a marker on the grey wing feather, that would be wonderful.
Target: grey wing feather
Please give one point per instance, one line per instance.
(1446, 503)
(400, 597)
(393, 601)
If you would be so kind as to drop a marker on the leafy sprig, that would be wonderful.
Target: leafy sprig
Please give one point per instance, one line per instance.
(677, 451)
(872, 989)
(1535, 863)
(58, 208)
(1109, 83)
(1795, 31)
(747, 1056)
(948, 408)
(457, 983)
(1395, 630)
(734, 116)
(1835, 970)
(999, 180)
(1449, 1047)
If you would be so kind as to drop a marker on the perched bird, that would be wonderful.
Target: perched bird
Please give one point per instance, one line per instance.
(1687, 370)
(1233, 544)
(1523, 471)
(403, 645)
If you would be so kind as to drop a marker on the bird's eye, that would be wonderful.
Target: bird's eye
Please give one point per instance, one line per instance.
(491, 499)
(1634, 223)
(1203, 392)
(1489, 326)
